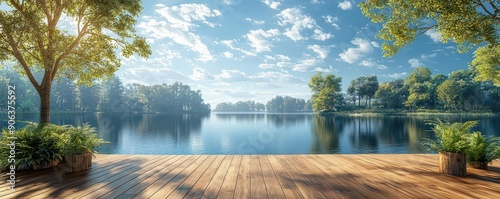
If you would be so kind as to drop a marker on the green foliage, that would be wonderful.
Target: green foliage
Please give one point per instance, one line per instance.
(325, 92)
(30, 36)
(482, 149)
(240, 106)
(486, 64)
(392, 94)
(364, 86)
(40, 145)
(450, 137)
(79, 140)
(34, 146)
(285, 104)
(449, 94)
(467, 23)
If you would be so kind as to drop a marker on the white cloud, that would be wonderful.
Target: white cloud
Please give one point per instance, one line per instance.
(382, 67)
(435, 36)
(352, 55)
(414, 63)
(258, 39)
(231, 45)
(228, 54)
(321, 51)
(272, 4)
(325, 70)
(178, 23)
(397, 75)
(267, 66)
(428, 56)
(300, 22)
(375, 44)
(332, 20)
(235, 93)
(282, 61)
(200, 74)
(274, 76)
(345, 5)
(149, 75)
(305, 64)
(258, 22)
(320, 35)
(317, 1)
(371, 63)
(367, 63)
(231, 76)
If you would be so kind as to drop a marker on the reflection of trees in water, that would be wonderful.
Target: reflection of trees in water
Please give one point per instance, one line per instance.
(417, 131)
(109, 127)
(241, 117)
(326, 131)
(279, 120)
(177, 126)
(393, 130)
(364, 134)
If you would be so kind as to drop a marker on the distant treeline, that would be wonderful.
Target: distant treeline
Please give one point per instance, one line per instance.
(277, 104)
(419, 91)
(103, 96)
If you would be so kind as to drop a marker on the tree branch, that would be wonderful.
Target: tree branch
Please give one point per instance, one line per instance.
(17, 54)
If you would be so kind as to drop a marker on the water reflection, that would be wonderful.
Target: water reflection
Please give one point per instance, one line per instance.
(326, 130)
(264, 133)
(241, 117)
(280, 120)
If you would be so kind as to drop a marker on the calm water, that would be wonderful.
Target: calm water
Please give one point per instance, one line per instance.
(219, 133)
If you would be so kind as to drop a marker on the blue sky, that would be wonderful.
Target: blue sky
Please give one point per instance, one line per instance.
(236, 50)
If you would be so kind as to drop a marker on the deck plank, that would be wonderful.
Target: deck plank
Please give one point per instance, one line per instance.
(287, 185)
(243, 183)
(257, 176)
(228, 186)
(273, 187)
(215, 184)
(189, 182)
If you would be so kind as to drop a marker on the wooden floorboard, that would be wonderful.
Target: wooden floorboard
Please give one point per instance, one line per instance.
(257, 176)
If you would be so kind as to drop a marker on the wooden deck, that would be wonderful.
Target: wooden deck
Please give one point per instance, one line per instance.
(257, 176)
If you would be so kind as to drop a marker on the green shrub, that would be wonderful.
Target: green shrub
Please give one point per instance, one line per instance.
(34, 146)
(450, 137)
(482, 149)
(80, 140)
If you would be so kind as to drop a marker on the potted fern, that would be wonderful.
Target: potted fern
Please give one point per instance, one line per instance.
(482, 150)
(78, 144)
(451, 144)
(36, 147)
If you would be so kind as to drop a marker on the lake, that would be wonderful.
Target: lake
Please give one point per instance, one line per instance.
(261, 133)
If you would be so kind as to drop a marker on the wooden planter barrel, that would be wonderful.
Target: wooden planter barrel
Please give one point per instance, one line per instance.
(479, 165)
(452, 164)
(79, 162)
(45, 165)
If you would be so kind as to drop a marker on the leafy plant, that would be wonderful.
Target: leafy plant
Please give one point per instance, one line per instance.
(35, 146)
(450, 137)
(80, 140)
(482, 149)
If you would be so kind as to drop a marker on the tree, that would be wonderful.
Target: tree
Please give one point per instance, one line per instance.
(449, 94)
(325, 92)
(112, 98)
(467, 23)
(31, 36)
(392, 94)
(63, 94)
(354, 89)
(420, 88)
(369, 87)
(364, 86)
(88, 97)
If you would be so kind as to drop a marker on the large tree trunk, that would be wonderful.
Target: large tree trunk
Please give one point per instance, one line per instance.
(44, 106)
